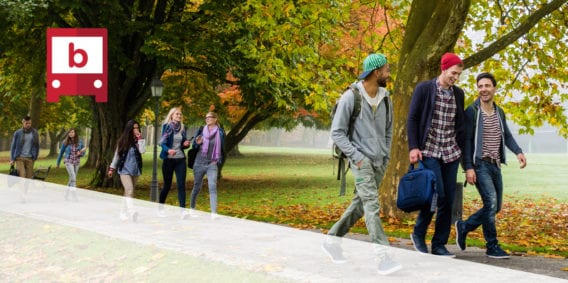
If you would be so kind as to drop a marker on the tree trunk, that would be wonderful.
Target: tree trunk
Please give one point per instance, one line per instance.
(432, 29)
(240, 129)
(111, 117)
(36, 107)
(53, 137)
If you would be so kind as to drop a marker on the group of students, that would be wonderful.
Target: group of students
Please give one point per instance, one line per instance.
(127, 161)
(442, 133)
(209, 140)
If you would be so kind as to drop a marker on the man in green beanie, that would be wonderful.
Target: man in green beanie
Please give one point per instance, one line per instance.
(367, 147)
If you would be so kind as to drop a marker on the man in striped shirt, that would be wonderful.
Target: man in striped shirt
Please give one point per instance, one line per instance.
(486, 136)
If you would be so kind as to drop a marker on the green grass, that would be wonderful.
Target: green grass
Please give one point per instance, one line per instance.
(299, 175)
(543, 177)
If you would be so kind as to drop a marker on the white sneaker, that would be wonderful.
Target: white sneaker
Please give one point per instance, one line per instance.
(388, 266)
(215, 216)
(334, 251)
(123, 216)
(161, 213)
(183, 215)
(193, 213)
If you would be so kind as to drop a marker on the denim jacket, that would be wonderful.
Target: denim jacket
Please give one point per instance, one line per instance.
(18, 142)
(65, 150)
(170, 141)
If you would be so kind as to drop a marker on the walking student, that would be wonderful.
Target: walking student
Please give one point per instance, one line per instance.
(487, 134)
(436, 135)
(127, 161)
(210, 140)
(368, 150)
(72, 149)
(173, 141)
(24, 149)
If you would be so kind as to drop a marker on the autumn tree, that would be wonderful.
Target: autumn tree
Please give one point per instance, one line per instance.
(523, 44)
(288, 57)
(272, 50)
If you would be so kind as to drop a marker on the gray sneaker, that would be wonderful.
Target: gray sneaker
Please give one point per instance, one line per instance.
(334, 251)
(135, 217)
(388, 266)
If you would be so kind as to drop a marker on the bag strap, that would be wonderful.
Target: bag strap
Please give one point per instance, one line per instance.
(343, 166)
(420, 166)
(356, 109)
(342, 171)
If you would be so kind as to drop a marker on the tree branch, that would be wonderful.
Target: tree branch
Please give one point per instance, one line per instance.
(512, 36)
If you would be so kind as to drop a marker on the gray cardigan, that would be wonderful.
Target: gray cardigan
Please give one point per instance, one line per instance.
(372, 132)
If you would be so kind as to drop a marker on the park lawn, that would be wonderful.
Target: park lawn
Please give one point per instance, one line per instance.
(297, 187)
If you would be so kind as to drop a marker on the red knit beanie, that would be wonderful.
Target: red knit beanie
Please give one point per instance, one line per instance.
(450, 59)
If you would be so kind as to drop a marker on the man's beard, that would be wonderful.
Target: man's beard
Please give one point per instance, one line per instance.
(382, 83)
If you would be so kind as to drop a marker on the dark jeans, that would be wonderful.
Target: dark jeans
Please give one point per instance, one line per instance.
(169, 166)
(446, 177)
(490, 187)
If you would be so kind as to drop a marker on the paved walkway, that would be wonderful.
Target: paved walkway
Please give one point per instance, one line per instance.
(221, 250)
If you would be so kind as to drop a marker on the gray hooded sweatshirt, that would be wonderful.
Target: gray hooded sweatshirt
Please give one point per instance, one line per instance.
(372, 131)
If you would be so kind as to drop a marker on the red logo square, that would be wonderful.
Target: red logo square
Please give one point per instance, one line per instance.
(77, 63)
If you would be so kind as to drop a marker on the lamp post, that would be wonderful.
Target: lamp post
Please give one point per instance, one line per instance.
(156, 87)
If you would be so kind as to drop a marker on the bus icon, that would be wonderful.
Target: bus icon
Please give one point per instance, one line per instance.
(77, 63)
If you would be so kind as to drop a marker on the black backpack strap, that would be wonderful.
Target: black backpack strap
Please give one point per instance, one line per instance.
(356, 109)
(343, 165)
(343, 171)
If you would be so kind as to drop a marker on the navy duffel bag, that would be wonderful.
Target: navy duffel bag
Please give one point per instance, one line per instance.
(417, 189)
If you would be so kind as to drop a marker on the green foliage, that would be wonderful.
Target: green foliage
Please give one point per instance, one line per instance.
(21, 9)
(289, 59)
(531, 72)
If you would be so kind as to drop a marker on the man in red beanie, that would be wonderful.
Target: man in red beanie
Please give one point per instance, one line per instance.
(436, 136)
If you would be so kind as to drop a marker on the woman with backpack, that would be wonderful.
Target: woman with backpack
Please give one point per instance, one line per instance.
(210, 142)
(72, 149)
(127, 162)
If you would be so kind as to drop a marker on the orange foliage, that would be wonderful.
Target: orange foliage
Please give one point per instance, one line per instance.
(526, 223)
(231, 97)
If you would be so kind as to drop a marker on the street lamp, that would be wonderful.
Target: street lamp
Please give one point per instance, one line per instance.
(156, 87)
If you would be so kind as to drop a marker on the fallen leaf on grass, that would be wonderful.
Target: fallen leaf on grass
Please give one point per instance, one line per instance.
(554, 256)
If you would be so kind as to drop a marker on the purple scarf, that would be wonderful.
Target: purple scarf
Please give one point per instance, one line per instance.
(172, 128)
(207, 136)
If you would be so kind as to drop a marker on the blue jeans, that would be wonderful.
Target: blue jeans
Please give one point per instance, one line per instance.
(72, 171)
(200, 168)
(490, 187)
(446, 177)
(364, 203)
(169, 166)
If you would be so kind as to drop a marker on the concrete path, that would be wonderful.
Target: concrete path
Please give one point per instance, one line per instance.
(39, 225)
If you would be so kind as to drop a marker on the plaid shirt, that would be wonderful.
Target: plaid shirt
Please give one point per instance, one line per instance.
(441, 142)
(72, 158)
